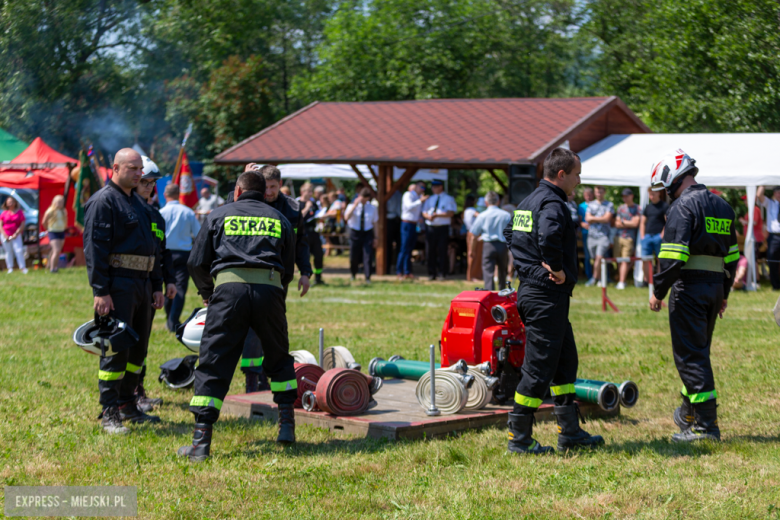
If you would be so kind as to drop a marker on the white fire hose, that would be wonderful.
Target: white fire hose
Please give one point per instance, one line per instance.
(303, 357)
(338, 357)
(452, 392)
(481, 391)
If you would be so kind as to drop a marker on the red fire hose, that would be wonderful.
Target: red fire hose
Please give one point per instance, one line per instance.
(342, 391)
(307, 376)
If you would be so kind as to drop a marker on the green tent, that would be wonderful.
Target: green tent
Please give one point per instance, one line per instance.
(10, 146)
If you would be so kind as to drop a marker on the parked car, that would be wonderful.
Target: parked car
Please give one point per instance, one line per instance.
(27, 199)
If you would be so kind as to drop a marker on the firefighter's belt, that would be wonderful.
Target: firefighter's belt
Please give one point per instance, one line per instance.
(705, 263)
(134, 262)
(249, 275)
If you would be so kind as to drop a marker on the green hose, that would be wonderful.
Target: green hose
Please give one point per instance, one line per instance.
(604, 394)
(400, 369)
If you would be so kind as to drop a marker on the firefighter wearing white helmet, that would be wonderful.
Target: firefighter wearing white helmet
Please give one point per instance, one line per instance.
(698, 261)
(163, 268)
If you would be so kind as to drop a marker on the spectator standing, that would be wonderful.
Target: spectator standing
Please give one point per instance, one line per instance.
(473, 246)
(772, 206)
(55, 221)
(489, 227)
(309, 209)
(207, 204)
(582, 209)
(651, 226)
(411, 206)
(438, 211)
(361, 216)
(393, 238)
(599, 218)
(12, 219)
(758, 229)
(627, 222)
(181, 227)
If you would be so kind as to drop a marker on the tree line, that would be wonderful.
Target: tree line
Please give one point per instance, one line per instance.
(115, 72)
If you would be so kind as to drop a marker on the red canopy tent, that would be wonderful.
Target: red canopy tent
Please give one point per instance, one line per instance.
(42, 168)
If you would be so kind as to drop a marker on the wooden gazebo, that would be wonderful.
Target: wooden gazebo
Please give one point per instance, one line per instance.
(491, 134)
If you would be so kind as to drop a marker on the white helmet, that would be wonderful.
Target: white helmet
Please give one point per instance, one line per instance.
(671, 170)
(150, 169)
(105, 336)
(192, 330)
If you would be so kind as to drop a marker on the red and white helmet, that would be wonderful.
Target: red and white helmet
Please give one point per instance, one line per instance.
(192, 330)
(671, 169)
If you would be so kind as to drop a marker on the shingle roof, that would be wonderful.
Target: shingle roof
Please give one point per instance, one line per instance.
(434, 132)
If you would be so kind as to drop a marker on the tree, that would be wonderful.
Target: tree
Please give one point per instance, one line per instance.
(61, 73)
(693, 66)
(418, 49)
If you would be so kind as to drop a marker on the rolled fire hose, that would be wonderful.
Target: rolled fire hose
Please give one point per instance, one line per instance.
(452, 393)
(342, 391)
(479, 396)
(338, 357)
(604, 394)
(304, 356)
(307, 375)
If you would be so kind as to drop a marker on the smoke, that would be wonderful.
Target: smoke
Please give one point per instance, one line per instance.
(109, 131)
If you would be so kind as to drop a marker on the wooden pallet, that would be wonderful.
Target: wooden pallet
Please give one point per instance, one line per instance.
(396, 416)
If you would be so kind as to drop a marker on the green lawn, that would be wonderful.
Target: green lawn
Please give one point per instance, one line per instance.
(49, 434)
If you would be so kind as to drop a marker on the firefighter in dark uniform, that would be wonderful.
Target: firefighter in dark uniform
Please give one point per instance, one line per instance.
(120, 249)
(163, 267)
(543, 242)
(698, 261)
(309, 211)
(252, 359)
(241, 261)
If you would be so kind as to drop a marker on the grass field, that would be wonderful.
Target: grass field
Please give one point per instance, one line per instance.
(49, 434)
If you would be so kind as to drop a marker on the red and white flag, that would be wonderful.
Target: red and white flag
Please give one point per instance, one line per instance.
(187, 194)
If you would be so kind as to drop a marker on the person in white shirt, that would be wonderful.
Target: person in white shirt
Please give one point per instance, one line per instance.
(361, 216)
(438, 211)
(411, 206)
(207, 204)
(772, 206)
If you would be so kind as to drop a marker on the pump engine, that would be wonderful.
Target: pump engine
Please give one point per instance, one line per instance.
(484, 326)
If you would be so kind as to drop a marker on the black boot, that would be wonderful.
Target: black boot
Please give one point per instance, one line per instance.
(683, 415)
(144, 403)
(318, 279)
(251, 382)
(570, 435)
(111, 422)
(130, 412)
(520, 432)
(286, 424)
(201, 443)
(705, 424)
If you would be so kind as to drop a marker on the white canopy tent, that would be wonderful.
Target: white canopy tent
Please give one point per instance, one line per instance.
(724, 160)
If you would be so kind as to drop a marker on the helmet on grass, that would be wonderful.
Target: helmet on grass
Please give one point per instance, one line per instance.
(179, 372)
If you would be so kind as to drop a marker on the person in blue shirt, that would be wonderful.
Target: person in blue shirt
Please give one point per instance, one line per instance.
(489, 227)
(181, 227)
(588, 195)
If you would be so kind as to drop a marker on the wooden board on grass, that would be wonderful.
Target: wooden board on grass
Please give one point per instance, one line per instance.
(396, 416)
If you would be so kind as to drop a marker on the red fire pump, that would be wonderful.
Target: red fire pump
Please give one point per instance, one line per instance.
(484, 326)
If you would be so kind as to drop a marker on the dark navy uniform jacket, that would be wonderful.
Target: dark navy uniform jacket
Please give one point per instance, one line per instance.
(292, 210)
(163, 266)
(117, 223)
(698, 223)
(542, 231)
(247, 233)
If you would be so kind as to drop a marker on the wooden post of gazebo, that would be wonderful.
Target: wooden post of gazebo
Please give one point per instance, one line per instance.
(381, 226)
